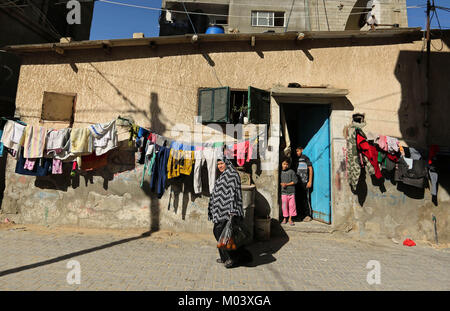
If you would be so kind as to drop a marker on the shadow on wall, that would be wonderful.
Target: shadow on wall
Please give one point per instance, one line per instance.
(9, 76)
(424, 125)
(120, 160)
(420, 125)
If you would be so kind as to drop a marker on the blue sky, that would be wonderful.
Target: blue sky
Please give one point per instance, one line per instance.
(113, 21)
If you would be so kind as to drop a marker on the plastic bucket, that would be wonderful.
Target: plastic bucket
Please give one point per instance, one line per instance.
(215, 29)
(262, 229)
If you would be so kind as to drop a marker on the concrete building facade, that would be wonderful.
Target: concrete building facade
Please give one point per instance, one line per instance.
(156, 82)
(285, 15)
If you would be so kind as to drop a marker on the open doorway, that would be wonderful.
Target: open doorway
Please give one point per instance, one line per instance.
(308, 126)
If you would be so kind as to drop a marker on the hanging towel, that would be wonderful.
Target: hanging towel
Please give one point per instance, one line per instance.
(58, 144)
(12, 137)
(80, 142)
(34, 142)
(105, 137)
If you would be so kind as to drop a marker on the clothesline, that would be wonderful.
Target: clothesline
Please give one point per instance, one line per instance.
(194, 144)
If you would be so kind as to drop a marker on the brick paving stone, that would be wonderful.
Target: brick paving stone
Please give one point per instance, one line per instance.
(32, 260)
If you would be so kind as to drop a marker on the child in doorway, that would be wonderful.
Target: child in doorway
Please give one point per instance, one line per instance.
(305, 174)
(288, 181)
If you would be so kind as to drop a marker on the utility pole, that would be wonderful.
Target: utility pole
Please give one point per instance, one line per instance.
(428, 103)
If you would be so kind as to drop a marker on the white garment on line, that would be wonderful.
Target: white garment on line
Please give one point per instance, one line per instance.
(208, 155)
(12, 135)
(105, 137)
(58, 144)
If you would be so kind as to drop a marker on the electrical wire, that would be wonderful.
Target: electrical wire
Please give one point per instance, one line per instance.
(199, 13)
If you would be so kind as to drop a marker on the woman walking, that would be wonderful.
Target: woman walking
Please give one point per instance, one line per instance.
(225, 202)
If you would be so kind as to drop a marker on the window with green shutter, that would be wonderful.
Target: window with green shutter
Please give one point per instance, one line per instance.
(258, 106)
(214, 105)
(222, 105)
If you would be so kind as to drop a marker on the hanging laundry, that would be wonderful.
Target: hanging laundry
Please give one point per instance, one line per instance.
(12, 137)
(208, 155)
(387, 143)
(29, 164)
(242, 152)
(159, 171)
(150, 156)
(104, 137)
(180, 162)
(433, 170)
(58, 143)
(57, 167)
(392, 144)
(1, 144)
(370, 152)
(34, 141)
(92, 162)
(81, 142)
(353, 156)
(42, 166)
(416, 176)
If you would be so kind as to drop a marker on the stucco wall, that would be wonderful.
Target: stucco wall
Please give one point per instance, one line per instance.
(158, 88)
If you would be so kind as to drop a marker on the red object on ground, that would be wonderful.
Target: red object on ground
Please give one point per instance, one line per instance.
(409, 242)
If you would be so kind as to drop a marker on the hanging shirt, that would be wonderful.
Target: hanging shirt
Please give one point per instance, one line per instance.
(370, 152)
(179, 162)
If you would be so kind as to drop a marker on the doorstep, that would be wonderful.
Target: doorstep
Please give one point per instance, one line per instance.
(312, 226)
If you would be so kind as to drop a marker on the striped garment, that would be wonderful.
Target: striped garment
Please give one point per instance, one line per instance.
(34, 142)
(226, 197)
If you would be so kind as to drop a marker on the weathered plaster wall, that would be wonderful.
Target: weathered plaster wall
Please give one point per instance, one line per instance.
(158, 88)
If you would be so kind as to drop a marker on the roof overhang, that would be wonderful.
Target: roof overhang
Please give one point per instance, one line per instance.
(308, 92)
(409, 34)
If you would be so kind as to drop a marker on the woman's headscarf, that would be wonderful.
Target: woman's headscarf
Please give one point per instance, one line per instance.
(226, 197)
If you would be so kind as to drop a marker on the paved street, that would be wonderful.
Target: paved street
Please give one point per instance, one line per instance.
(36, 258)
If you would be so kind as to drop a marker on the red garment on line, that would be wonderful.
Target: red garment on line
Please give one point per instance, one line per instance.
(370, 152)
(239, 151)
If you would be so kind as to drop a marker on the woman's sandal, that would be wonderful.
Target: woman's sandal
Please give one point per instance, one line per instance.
(229, 264)
(218, 260)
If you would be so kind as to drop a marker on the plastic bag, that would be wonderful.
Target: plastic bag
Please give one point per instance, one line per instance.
(234, 235)
(226, 241)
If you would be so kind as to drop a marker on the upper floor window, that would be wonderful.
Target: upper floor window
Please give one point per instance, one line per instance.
(268, 19)
(224, 105)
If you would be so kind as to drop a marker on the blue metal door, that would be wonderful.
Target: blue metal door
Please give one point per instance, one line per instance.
(309, 127)
(318, 151)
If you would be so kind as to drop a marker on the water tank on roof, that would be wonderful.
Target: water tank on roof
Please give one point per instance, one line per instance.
(215, 29)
